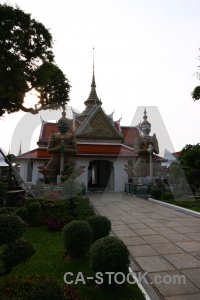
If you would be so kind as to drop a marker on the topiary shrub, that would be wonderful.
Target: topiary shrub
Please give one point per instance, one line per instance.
(77, 238)
(16, 253)
(47, 290)
(34, 212)
(156, 193)
(11, 228)
(167, 196)
(109, 254)
(22, 213)
(101, 226)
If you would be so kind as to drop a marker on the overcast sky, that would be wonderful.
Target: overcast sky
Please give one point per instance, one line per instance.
(146, 55)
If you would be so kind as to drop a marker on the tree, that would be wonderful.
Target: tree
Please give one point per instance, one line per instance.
(196, 92)
(27, 64)
(190, 160)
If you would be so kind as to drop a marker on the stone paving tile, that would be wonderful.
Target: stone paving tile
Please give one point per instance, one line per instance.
(194, 236)
(144, 231)
(165, 229)
(173, 288)
(186, 229)
(137, 225)
(189, 246)
(173, 224)
(148, 220)
(184, 297)
(120, 227)
(196, 254)
(130, 220)
(154, 239)
(167, 248)
(117, 222)
(154, 263)
(124, 233)
(142, 250)
(155, 225)
(183, 260)
(176, 237)
(131, 241)
(193, 275)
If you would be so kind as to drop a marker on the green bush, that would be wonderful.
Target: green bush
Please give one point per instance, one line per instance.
(82, 208)
(101, 226)
(167, 196)
(16, 253)
(22, 213)
(156, 193)
(47, 290)
(77, 238)
(11, 228)
(3, 191)
(109, 254)
(57, 214)
(32, 287)
(34, 212)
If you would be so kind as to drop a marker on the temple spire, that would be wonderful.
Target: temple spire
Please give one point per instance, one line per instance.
(93, 99)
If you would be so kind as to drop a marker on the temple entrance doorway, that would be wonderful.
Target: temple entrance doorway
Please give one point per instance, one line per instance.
(100, 175)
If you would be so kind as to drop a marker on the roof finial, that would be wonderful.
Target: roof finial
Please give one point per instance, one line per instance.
(145, 114)
(93, 61)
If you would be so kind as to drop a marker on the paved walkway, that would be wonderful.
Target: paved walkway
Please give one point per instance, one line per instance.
(161, 241)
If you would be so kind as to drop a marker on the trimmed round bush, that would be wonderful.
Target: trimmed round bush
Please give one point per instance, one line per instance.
(77, 238)
(101, 226)
(47, 290)
(156, 193)
(11, 228)
(34, 212)
(22, 213)
(109, 254)
(167, 196)
(16, 253)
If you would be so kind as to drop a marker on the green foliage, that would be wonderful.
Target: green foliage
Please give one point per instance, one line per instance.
(109, 254)
(189, 155)
(101, 226)
(22, 213)
(167, 196)
(57, 214)
(49, 261)
(190, 160)
(11, 228)
(77, 238)
(27, 63)
(196, 93)
(3, 191)
(47, 290)
(35, 287)
(34, 212)
(16, 253)
(156, 193)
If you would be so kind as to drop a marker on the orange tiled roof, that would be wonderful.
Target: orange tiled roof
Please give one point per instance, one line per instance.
(83, 150)
(129, 134)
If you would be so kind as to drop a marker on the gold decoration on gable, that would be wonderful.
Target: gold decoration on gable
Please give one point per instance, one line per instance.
(99, 128)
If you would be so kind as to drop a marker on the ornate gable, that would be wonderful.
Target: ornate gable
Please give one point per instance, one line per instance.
(98, 127)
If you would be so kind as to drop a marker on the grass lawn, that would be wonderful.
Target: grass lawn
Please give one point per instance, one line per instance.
(191, 204)
(50, 261)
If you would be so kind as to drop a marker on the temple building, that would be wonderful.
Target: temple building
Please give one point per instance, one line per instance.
(104, 147)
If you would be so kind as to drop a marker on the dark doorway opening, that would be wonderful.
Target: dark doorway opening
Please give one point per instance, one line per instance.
(100, 175)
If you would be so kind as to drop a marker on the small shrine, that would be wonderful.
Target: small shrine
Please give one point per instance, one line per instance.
(107, 154)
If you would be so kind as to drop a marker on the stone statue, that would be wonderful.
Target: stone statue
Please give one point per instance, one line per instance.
(63, 147)
(144, 147)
